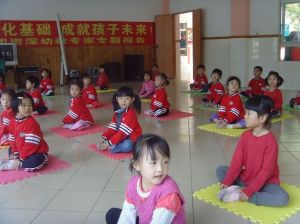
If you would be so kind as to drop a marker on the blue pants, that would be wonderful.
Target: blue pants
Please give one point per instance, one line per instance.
(271, 195)
(124, 146)
(241, 122)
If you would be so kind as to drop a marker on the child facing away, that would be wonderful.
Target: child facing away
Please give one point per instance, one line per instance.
(231, 111)
(253, 174)
(159, 105)
(32, 85)
(216, 89)
(102, 81)
(28, 149)
(151, 196)
(200, 80)
(124, 128)
(148, 86)
(89, 92)
(6, 116)
(79, 116)
(47, 85)
(295, 102)
(2, 83)
(256, 85)
(274, 81)
(154, 71)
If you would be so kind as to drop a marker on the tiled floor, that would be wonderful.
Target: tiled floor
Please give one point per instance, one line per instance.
(84, 192)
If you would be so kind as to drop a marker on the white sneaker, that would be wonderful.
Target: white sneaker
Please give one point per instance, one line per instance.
(8, 165)
(228, 190)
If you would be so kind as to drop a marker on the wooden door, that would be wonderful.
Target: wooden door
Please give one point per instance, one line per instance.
(197, 39)
(165, 44)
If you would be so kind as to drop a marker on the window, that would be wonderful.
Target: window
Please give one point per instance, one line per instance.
(290, 31)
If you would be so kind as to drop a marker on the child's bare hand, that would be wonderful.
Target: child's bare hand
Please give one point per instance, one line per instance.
(103, 146)
(221, 124)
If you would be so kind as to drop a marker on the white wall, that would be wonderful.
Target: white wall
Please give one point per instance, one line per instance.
(118, 10)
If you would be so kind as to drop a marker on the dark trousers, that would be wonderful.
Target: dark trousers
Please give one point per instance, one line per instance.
(112, 216)
(41, 109)
(34, 162)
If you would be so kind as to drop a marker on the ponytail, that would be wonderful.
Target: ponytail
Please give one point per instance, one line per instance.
(137, 104)
(165, 79)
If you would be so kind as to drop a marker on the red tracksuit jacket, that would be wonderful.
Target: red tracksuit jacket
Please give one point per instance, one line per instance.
(276, 96)
(129, 127)
(231, 109)
(26, 137)
(102, 80)
(198, 79)
(256, 86)
(78, 110)
(90, 94)
(215, 92)
(37, 98)
(2, 86)
(297, 99)
(46, 84)
(6, 116)
(159, 99)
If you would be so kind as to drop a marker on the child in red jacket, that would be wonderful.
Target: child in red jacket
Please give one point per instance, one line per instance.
(47, 85)
(29, 151)
(200, 79)
(295, 102)
(89, 93)
(159, 105)
(102, 81)
(231, 111)
(256, 85)
(253, 174)
(274, 81)
(154, 71)
(216, 90)
(79, 116)
(7, 114)
(124, 129)
(32, 85)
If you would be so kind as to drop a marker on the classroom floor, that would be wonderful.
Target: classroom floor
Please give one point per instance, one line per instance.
(93, 184)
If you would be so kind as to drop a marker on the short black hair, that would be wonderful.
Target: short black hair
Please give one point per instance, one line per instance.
(9, 92)
(76, 82)
(233, 78)
(102, 66)
(277, 76)
(151, 144)
(34, 80)
(127, 91)
(147, 72)
(262, 105)
(155, 65)
(48, 72)
(259, 68)
(201, 66)
(17, 101)
(86, 76)
(217, 71)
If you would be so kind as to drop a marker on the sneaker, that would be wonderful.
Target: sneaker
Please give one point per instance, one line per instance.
(8, 165)
(231, 189)
(232, 196)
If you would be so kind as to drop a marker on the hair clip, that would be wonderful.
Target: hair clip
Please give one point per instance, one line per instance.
(20, 97)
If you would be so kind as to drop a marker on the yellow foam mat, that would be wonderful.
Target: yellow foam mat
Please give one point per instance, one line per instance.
(203, 107)
(231, 132)
(257, 214)
(145, 100)
(282, 117)
(194, 92)
(106, 91)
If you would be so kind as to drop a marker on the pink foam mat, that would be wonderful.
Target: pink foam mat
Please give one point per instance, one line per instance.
(173, 115)
(49, 112)
(107, 153)
(54, 164)
(66, 133)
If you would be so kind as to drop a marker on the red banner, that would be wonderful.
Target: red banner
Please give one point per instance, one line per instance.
(76, 33)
